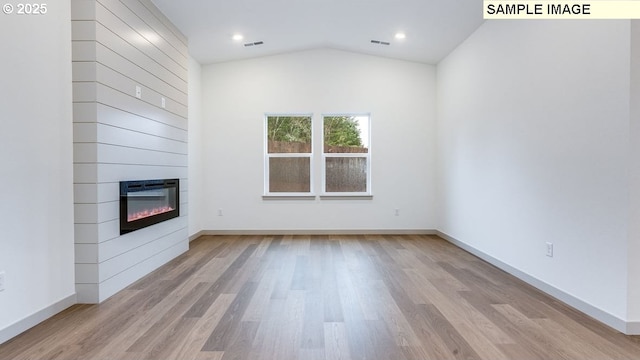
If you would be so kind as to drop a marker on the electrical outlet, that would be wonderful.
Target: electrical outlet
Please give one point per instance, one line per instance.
(219, 212)
(397, 212)
(138, 92)
(164, 103)
(2, 281)
(550, 249)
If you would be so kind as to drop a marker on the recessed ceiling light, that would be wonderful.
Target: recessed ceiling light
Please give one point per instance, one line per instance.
(400, 36)
(237, 37)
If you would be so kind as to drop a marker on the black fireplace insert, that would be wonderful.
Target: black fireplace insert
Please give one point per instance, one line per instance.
(147, 202)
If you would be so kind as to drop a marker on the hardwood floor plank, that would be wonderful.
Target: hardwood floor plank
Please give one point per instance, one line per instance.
(286, 267)
(520, 336)
(240, 346)
(194, 341)
(421, 325)
(40, 340)
(311, 354)
(332, 254)
(383, 344)
(335, 339)
(396, 322)
(227, 329)
(205, 301)
(448, 333)
(279, 335)
(300, 274)
(592, 332)
(530, 329)
(563, 338)
(208, 355)
(492, 288)
(312, 336)
(260, 302)
(156, 326)
(401, 297)
(170, 338)
(458, 311)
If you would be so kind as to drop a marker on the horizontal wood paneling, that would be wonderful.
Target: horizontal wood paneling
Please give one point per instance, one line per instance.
(87, 293)
(115, 154)
(86, 273)
(85, 71)
(83, 50)
(83, 30)
(140, 74)
(85, 193)
(96, 193)
(147, 73)
(94, 233)
(147, 106)
(134, 54)
(129, 258)
(111, 20)
(85, 213)
(174, 129)
(96, 213)
(89, 113)
(159, 26)
(83, 10)
(111, 248)
(154, 38)
(111, 135)
(86, 253)
(162, 18)
(117, 137)
(128, 276)
(88, 173)
(128, 103)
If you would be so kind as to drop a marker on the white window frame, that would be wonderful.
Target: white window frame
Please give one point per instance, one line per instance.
(366, 155)
(267, 156)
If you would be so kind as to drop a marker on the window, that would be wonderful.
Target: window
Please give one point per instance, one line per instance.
(345, 164)
(346, 157)
(289, 155)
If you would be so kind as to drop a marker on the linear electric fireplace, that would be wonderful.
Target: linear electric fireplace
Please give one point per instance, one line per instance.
(147, 202)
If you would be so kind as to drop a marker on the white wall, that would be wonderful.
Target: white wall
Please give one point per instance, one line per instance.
(117, 137)
(36, 212)
(401, 99)
(633, 253)
(196, 183)
(534, 147)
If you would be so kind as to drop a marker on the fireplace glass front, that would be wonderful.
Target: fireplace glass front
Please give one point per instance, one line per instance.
(147, 202)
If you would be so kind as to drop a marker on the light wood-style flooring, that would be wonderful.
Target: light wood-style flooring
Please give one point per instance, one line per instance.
(324, 297)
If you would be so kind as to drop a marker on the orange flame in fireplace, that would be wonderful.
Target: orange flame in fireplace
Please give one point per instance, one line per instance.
(150, 212)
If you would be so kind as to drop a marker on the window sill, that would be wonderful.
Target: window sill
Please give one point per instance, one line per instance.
(288, 197)
(346, 197)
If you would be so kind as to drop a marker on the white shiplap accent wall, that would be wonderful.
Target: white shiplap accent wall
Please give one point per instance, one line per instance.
(118, 45)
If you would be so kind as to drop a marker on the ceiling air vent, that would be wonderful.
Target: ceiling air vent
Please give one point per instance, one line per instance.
(380, 42)
(254, 43)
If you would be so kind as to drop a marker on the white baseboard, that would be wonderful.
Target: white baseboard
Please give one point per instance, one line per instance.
(628, 328)
(633, 328)
(320, 232)
(196, 235)
(34, 319)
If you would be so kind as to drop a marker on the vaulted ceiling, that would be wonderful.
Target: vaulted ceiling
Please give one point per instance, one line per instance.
(432, 27)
